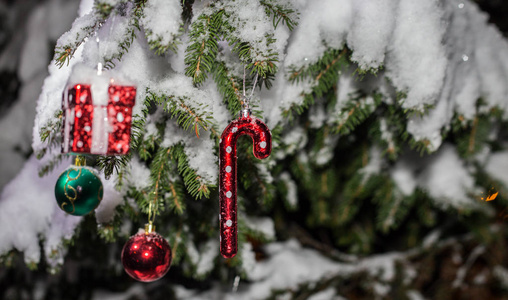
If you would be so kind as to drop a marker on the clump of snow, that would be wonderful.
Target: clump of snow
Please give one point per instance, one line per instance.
(263, 225)
(204, 259)
(192, 252)
(289, 265)
(326, 153)
(207, 256)
(76, 33)
(27, 212)
(431, 239)
(139, 174)
(380, 289)
(250, 24)
(327, 294)
(62, 227)
(417, 44)
(105, 212)
(324, 24)
(414, 295)
(264, 171)
(248, 258)
(199, 151)
(427, 128)
(403, 176)
(317, 116)
(381, 266)
(136, 291)
(497, 166)
(386, 134)
(85, 7)
(447, 180)
(292, 195)
(105, 43)
(501, 274)
(282, 96)
(374, 165)
(162, 20)
(295, 139)
(371, 31)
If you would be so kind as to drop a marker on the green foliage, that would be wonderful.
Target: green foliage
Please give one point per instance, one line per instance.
(50, 165)
(110, 164)
(89, 24)
(195, 185)
(187, 117)
(280, 13)
(202, 50)
(229, 86)
(354, 113)
(323, 75)
(130, 34)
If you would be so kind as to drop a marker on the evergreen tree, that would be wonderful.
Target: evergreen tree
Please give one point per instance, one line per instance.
(387, 177)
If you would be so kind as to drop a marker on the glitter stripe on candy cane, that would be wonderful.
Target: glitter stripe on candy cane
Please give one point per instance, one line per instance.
(262, 139)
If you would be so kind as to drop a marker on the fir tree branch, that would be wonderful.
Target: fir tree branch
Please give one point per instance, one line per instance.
(471, 147)
(175, 197)
(203, 46)
(186, 116)
(51, 165)
(51, 135)
(129, 36)
(69, 42)
(323, 76)
(280, 14)
(228, 87)
(110, 164)
(194, 183)
(353, 114)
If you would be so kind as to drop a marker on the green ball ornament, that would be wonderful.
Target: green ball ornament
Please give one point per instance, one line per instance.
(78, 190)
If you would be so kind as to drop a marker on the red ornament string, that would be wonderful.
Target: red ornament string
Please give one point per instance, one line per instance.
(262, 140)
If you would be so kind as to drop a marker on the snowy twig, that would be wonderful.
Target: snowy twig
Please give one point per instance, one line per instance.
(461, 273)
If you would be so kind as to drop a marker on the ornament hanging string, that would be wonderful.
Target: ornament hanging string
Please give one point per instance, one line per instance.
(245, 99)
(152, 211)
(80, 161)
(262, 139)
(99, 64)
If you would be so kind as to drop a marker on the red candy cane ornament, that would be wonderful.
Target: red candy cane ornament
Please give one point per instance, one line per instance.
(262, 139)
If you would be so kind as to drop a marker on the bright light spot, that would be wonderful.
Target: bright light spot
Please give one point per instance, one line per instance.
(492, 196)
(461, 5)
(465, 57)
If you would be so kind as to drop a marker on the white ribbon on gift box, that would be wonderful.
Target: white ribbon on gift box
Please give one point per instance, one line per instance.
(101, 125)
(69, 120)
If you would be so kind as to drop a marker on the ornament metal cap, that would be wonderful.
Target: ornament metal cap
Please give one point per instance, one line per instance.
(245, 112)
(149, 228)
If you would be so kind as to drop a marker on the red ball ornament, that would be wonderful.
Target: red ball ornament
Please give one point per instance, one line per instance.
(146, 256)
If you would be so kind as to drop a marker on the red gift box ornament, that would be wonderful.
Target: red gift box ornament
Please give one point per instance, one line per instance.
(92, 125)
